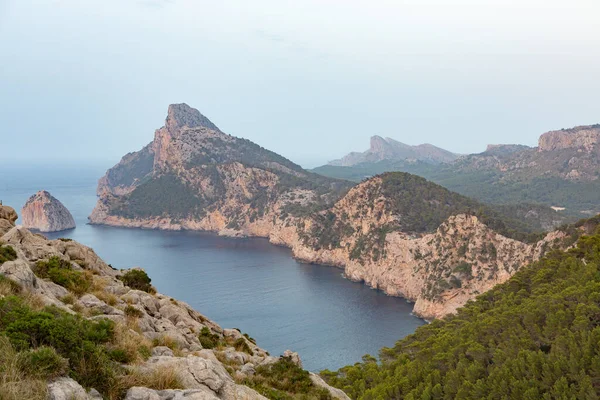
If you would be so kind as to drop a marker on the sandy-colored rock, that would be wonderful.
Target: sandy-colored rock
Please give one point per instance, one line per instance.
(45, 213)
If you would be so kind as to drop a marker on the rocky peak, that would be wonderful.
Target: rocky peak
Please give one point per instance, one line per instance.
(181, 115)
(45, 213)
(580, 137)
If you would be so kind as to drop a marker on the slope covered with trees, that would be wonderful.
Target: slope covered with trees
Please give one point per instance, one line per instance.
(537, 336)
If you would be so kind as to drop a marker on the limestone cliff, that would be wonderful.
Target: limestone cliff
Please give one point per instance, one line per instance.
(397, 232)
(43, 212)
(203, 359)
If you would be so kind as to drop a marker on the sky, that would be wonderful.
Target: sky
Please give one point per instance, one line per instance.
(90, 80)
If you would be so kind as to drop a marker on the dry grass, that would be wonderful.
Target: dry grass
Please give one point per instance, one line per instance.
(34, 301)
(68, 299)
(14, 384)
(160, 378)
(8, 287)
(131, 342)
(169, 342)
(108, 298)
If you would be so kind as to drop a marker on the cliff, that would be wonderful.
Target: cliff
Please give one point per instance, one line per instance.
(132, 342)
(43, 212)
(396, 232)
(389, 149)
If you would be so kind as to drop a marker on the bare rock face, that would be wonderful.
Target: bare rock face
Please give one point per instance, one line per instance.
(45, 213)
(585, 138)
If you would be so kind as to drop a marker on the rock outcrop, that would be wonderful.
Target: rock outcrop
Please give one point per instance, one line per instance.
(43, 212)
(389, 149)
(213, 370)
(585, 138)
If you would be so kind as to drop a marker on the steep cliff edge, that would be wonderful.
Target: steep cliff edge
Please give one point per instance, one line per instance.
(396, 232)
(72, 326)
(43, 212)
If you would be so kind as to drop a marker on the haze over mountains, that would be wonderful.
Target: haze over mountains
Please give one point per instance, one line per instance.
(566, 162)
(390, 149)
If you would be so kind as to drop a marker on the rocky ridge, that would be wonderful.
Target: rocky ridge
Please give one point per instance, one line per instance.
(171, 329)
(235, 195)
(389, 149)
(45, 213)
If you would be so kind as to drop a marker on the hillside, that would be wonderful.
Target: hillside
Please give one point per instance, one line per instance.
(562, 171)
(73, 327)
(395, 232)
(533, 337)
(387, 149)
(194, 176)
(412, 238)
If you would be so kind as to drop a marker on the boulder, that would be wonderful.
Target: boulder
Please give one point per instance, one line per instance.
(19, 272)
(67, 389)
(294, 357)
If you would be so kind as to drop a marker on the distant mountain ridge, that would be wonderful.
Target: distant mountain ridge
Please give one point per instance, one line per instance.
(390, 149)
(562, 171)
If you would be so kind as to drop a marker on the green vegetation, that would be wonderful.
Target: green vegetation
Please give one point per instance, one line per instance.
(207, 339)
(137, 279)
(61, 272)
(534, 337)
(486, 184)
(284, 380)
(7, 253)
(162, 196)
(423, 206)
(71, 337)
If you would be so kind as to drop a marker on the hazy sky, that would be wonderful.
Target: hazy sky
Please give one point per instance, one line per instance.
(310, 79)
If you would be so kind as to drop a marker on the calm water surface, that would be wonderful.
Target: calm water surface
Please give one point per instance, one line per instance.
(239, 283)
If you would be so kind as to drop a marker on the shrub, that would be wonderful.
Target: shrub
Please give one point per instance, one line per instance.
(61, 272)
(43, 363)
(242, 345)
(15, 384)
(137, 279)
(77, 339)
(207, 339)
(7, 253)
(285, 380)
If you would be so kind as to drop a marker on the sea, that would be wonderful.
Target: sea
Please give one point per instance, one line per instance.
(243, 283)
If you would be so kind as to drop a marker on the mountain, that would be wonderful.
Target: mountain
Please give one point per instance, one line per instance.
(72, 327)
(561, 172)
(46, 213)
(533, 337)
(390, 149)
(396, 232)
(193, 176)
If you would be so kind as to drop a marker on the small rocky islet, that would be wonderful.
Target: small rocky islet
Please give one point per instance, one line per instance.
(45, 213)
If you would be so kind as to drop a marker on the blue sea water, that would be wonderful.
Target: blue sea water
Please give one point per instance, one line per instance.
(239, 283)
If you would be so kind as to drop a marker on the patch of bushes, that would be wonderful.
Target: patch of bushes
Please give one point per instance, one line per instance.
(62, 273)
(207, 339)
(137, 279)
(79, 340)
(285, 380)
(7, 253)
(241, 345)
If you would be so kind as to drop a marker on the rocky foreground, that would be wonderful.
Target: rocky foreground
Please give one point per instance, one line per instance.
(45, 213)
(200, 359)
